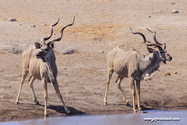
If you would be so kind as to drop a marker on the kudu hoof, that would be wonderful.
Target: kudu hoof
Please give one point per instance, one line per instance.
(68, 112)
(135, 111)
(127, 102)
(45, 116)
(139, 109)
(17, 102)
(105, 103)
(37, 103)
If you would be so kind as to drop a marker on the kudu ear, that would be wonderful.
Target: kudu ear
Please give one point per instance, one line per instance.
(50, 45)
(37, 45)
(150, 50)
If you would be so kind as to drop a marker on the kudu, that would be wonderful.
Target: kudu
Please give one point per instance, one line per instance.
(133, 65)
(40, 62)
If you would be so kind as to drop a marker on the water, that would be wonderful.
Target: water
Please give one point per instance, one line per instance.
(152, 117)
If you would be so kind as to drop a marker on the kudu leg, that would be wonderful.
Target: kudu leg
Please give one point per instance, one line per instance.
(31, 80)
(118, 83)
(133, 92)
(110, 72)
(24, 74)
(138, 92)
(56, 87)
(45, 96)
(117, 79)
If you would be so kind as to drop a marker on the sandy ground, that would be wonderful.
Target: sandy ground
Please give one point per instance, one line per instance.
(100, 25)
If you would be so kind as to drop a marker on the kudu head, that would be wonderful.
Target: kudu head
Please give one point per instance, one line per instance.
(46, 48)
(161, 52)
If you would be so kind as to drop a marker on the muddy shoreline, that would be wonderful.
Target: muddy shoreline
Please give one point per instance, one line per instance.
(24, 118)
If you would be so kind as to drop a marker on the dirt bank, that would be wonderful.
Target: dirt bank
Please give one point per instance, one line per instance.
(100, 25)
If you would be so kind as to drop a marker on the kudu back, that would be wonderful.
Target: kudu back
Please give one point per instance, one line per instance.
(40, 62)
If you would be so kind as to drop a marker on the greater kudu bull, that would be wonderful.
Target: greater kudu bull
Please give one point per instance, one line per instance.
(40, 62)
(135, 66)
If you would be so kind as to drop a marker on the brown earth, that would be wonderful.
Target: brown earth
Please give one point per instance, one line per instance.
(100, 25)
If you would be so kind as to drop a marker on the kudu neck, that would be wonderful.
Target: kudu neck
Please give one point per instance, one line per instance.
(149, 61)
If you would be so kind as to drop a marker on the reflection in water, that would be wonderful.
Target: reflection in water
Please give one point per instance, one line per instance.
(146, 118)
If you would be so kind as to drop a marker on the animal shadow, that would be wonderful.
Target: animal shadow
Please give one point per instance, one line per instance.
(128, 104)
(145, 108)
(60, 109)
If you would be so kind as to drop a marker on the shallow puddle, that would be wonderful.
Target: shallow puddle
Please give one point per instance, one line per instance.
(146, 118)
